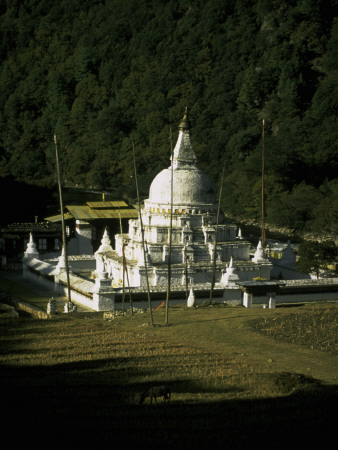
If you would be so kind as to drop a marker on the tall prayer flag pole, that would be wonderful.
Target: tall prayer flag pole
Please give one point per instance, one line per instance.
(263, 187)
(64, 241)
(142, 232)
(170, 230)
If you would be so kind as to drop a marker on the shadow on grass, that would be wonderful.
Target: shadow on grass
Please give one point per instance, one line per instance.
(79, 404)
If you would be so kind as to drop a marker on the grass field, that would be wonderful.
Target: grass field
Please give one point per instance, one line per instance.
(235, 382)
(239, 378)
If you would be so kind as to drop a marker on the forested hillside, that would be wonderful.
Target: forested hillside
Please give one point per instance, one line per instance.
(100, 73)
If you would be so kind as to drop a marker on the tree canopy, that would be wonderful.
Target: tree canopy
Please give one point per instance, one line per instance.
(316, 256)
(99, 73)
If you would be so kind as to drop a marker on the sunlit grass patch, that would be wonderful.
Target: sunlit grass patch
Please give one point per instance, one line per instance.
(316, 328)
(84, 375)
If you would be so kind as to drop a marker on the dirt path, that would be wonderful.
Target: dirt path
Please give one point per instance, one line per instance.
(228, 331)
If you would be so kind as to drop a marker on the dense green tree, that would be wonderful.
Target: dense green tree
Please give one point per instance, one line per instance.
(325, 211)
(316, 256)
(96, 73)
(296, 208)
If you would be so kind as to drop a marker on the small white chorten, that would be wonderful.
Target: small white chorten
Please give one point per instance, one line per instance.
(259, 255)
(288, 258)
(230, 277)
(61, 265)
(105, 243)
(31, 251)
(191, 298)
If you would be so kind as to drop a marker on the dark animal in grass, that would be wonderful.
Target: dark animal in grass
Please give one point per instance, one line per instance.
(156, 392)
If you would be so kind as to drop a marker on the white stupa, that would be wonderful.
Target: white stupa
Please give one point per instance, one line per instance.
(31, 251)
(288, 257)
(191, 299)
(194, 224)
(259, 255)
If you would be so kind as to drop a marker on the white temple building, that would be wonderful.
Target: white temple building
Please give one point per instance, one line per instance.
(181, 226)
(193, 237)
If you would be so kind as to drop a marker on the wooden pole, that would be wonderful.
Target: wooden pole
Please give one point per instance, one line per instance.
(263, 188)
(64, 241)
(130, 299)
(216, 240)
(125, 271)
(186, 273)
(123, 267)
(142, 232)
(170, 230)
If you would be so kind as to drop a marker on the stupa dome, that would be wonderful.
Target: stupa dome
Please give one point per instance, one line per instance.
(191, 187)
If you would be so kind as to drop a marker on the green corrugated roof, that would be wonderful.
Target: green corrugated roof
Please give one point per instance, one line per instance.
(83, 212)
(58, 218)
(107, 205)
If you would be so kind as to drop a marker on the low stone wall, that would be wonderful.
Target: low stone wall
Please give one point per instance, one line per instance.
(30, 309)
(39, 277)
(84, 300)
(81, 289)
(7, 311)
(308, 297)
(46, 274)
(298, 291)
(309, 290)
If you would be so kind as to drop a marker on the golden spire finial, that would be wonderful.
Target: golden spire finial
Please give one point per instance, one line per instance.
(184, 123)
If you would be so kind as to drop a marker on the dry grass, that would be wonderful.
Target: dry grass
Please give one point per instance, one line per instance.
(231, 377)
(317, 329)
(194, 349)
